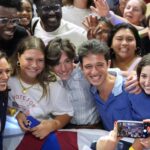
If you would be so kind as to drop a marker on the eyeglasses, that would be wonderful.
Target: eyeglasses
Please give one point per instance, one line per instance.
(49, 8)
(6, 21)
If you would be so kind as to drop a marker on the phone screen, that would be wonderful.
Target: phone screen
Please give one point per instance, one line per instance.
(133, 129)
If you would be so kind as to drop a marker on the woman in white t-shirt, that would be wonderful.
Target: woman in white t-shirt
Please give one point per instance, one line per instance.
(75, 11)
(32, 94)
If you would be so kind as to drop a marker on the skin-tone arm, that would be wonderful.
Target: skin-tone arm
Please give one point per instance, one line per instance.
(108, 142)
(137, 145)
(47, 126)
(145, 142)
(102, 9)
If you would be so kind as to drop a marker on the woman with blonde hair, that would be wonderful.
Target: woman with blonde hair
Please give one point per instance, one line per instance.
(32, 94)
(134, 12)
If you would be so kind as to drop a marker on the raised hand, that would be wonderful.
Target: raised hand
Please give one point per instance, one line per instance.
(102, 8)
(90, 21)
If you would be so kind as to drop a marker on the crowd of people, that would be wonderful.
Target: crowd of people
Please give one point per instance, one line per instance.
(75, 64)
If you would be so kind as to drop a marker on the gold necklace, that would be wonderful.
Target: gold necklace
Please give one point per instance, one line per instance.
(24, 89)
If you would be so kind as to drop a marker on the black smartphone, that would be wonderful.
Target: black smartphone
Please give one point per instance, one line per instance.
(133, 129)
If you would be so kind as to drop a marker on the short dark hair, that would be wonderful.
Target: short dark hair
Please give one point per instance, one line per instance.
(93, 47)
(54, 50)
(39, 2)
(11, 4)
(30, 1)
(145, 61)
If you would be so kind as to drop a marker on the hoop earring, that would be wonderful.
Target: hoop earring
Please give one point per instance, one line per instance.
(18, 64)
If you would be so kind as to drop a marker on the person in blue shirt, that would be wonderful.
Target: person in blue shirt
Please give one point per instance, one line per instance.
(4, 76)
(141, 102)
(111, 98)
(60, 57)
(140, 109)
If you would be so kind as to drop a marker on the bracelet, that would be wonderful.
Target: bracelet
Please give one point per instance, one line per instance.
(131, 148)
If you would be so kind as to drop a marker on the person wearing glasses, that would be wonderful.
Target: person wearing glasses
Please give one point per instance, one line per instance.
(10, 32)
(4, 76)
(51, 25)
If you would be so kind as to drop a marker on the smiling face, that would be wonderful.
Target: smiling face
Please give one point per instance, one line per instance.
(145, 79)
(124, 44)
(64, 68)
(133, 12)
(7, 30)
(4, 73)
(50, 13)
(25, 14)
(31, 64)
(95, 69)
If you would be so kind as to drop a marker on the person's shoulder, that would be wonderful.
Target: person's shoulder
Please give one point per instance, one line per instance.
(140, 95)
(67, 8)
(56, 85)
(12, 80)
(21, 31)
(72, 25)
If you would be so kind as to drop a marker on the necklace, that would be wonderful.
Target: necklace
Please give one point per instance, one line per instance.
(24, 89)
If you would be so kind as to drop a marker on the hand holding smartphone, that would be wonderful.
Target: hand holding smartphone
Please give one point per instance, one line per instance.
(32, 122)
(133, 129)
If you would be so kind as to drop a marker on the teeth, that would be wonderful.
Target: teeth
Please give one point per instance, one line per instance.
(123, 50)
(24, 19)
(9, 32)
(95, 78)
(3, 83)
(52, 19)
(32, 70)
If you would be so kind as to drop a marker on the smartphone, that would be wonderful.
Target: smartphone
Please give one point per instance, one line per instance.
(133, 129)
(32, 122)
